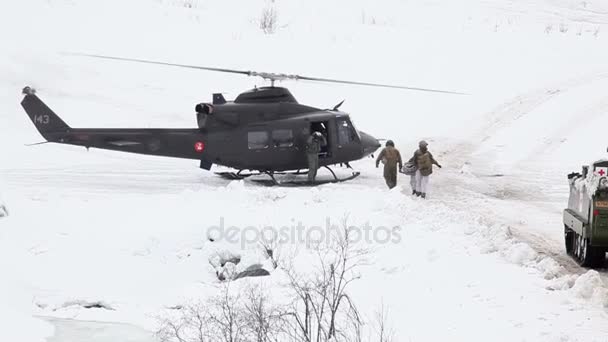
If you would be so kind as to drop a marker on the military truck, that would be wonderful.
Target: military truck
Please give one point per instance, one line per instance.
(586, 218)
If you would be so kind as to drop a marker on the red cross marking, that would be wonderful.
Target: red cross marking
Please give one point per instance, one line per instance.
(602, 172)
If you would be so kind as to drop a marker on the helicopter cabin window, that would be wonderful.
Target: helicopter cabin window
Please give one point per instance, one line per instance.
(257, 140)
(321, 127)
(282, 138)
(346, 132)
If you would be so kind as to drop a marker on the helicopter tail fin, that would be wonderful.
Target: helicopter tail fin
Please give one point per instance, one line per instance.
(45, 120)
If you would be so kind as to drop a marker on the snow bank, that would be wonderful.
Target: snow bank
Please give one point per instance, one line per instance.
(17, 307)
(21, 326)
(489, 238)
(589, 286)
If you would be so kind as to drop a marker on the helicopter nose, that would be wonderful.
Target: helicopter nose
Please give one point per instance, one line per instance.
(369, 143)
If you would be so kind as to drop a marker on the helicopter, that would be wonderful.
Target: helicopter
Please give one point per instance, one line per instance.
(262, 131)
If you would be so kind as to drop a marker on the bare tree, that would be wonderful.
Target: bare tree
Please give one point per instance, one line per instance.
(217, 319)
(227, 317)
(383, 330)
(264, 321)
(268, 20)
(322, 309)
(272, 249)
(191, 325)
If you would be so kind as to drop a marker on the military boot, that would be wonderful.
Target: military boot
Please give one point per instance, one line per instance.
(423, 194)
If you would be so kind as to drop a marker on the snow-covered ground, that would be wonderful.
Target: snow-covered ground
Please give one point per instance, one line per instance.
(126, 236)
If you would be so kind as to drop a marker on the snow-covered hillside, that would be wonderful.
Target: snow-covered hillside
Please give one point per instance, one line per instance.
(103, 236)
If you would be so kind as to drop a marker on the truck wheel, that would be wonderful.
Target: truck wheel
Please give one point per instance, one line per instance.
(591, 256)
(569, 240)
(585, 252)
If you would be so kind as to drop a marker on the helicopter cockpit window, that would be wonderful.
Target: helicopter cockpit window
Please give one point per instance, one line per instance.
(282, 138)
(257, 140)
(346, 132)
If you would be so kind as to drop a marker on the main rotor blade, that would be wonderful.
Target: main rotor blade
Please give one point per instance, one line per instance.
(242, 72)
(268, 75)
(305, 78)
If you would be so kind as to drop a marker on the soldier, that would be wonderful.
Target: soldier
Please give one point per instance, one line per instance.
(313, 147)
(424, 162)
(390, 156)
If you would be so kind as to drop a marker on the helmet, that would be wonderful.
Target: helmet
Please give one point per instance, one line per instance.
(423, 143)
(390, 143)
(317, 134)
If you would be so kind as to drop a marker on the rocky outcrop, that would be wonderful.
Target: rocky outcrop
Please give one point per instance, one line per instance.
(252, 271)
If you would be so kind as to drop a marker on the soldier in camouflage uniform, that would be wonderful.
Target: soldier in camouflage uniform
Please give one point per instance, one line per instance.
(391, 158)
(424, 162)
(313, 147)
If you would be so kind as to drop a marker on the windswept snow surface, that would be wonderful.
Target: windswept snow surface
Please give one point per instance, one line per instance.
(102, 236)
(16, 309)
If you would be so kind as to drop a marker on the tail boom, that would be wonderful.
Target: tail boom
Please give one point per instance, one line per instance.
(187, 143)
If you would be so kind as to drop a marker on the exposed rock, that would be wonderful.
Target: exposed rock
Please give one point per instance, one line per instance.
(255, 270)
(89, 304)
(3, 210)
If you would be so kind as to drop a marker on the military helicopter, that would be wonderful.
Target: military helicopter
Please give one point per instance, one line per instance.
(262, 131)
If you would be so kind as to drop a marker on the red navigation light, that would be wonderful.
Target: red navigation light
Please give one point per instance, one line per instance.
(199, 146)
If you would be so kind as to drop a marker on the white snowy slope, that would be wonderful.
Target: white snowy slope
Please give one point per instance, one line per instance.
(96, 236)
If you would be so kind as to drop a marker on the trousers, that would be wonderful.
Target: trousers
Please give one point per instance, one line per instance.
(422, 182)
(390, 175)
(313, 166)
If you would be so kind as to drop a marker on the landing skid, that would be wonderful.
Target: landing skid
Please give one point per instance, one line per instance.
(274, 182)
(242, 175)
(294, 183)
(237, 175)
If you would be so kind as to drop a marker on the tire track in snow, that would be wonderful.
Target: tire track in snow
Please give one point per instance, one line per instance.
(523, 189)
(522, 105)
(584, 116)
